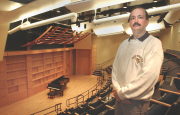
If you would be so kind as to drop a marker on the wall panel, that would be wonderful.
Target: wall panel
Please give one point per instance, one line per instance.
(24, 74)
(82, 62)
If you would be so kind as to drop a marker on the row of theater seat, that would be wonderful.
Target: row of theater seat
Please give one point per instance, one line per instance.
(174, 55)
(164, 68)
(173, 52)
(96, 107)
(99, 107)
(169, 98)
(108, 69)
(97, 73)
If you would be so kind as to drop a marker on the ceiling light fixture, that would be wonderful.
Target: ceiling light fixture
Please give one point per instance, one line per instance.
(124, 5)
(49, 21)
(109, 34)
(155, 1)
(109, 28)
(150, 12)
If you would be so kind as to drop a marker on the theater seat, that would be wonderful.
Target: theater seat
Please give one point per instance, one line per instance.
(161, 109)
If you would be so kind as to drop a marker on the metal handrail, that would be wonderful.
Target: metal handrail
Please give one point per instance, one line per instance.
(171, 60)
(82, 94)
(169, 71)
(56, 109)
(79, 99)
(102, 63)
(173, 69)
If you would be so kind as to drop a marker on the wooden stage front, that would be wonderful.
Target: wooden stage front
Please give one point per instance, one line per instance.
(40, 101)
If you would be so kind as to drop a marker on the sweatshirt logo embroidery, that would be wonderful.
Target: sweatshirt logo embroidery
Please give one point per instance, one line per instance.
(138, 58)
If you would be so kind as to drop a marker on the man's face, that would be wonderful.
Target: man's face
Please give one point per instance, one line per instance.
(137, 20)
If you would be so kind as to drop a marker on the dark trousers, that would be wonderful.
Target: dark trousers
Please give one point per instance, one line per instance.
(137, 107)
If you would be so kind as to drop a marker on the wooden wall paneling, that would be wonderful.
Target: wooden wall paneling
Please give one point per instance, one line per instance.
(15, 53)
(2, 76)
(64, 63)
(3, 92)
(37, 72)
(38, 88)
(12, 89)
(21, 80)
(48, 66)
(36, 63)
(48, 55)
(37, 76)
(22, 76)
(87, 62)
(10, 82)
(71, 62)
(29, 69)
(22, 87)
(83, 62)
(30, 89)
(91, 61)
(93, 58)
(3, 83)
(77, 69)
(14, 97)
(15, 59)
(58, 63)
(67, 63)
(4, 101)
(16, 74)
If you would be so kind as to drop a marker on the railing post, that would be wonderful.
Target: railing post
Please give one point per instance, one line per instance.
(56, 109)
(77, 101)
(88, 93)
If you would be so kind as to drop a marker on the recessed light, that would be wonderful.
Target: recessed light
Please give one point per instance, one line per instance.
(154, 0)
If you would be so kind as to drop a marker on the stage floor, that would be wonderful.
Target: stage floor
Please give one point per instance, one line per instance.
(77, 85)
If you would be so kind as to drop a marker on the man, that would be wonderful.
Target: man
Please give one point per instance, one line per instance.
(136, 67)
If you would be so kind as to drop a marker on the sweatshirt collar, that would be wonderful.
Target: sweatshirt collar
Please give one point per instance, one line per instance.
(142, 38)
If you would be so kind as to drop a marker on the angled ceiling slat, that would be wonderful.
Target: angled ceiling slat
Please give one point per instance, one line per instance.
(72, 42)
(57, 36)
(34, 41)
(81, 38)
(58, 42)
(71, 39)
(47, 36)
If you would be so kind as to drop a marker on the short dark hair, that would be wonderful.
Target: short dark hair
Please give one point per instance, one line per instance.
(147, 16)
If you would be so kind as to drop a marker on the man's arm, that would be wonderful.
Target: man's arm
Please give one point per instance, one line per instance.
(115, 83)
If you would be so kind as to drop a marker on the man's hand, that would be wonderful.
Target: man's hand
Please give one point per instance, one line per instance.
(116, 95)
(126, 101)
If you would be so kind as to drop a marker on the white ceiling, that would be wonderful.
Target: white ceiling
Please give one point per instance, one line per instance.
(31, 9)
(6, 5)
(40, 6)
(87, 5)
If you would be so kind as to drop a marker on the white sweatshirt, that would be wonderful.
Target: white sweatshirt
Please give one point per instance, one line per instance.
(136, 67)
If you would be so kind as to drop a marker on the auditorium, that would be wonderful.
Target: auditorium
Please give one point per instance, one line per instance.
(56, 56)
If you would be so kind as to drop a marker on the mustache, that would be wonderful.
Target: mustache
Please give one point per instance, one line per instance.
(136, 23)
